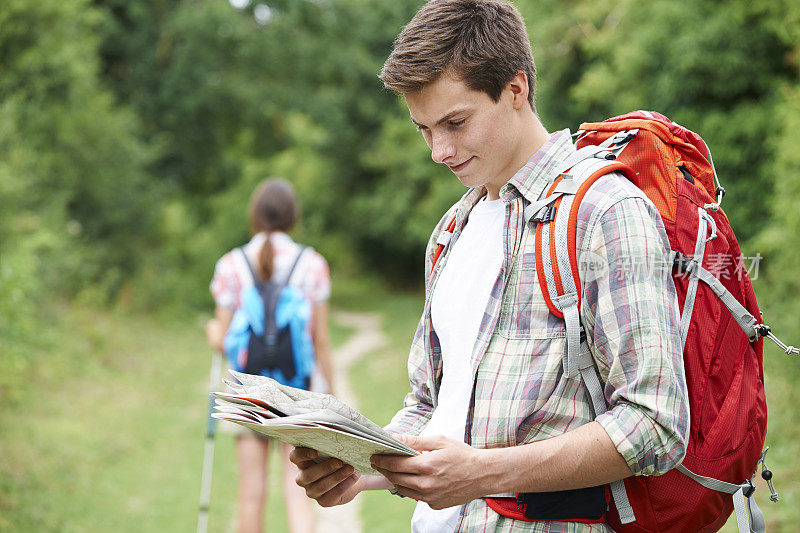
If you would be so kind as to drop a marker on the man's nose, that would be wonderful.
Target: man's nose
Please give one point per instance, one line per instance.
(442, 147)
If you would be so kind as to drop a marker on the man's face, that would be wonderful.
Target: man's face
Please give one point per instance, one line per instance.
(467, 131)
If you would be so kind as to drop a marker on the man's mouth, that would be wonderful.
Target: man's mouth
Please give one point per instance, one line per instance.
(461, 166)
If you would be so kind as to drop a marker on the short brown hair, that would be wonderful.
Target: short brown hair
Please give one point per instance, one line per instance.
(482, 42)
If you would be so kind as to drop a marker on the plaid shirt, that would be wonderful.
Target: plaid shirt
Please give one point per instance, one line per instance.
(520, 392)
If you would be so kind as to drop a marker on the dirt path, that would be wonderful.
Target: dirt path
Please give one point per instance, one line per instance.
(368, 337)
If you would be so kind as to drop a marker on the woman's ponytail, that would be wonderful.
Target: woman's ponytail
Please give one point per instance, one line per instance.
(265, 257)
(273, 207)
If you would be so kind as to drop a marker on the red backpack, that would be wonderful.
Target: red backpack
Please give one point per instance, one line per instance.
(720, 322)
(720, 326)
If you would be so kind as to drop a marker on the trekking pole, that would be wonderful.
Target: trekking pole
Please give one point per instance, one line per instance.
(208, 454)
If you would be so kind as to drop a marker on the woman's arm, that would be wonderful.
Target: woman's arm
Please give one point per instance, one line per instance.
(217, 327)
(320, 335)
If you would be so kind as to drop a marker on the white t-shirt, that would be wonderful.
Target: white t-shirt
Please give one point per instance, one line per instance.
(457, 308)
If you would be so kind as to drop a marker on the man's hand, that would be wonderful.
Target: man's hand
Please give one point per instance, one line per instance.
(330, 482)
(450, 473)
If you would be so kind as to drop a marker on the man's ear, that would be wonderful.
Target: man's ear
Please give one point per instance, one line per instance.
(519, 90)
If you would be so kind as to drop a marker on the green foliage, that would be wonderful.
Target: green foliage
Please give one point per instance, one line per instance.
(778, 242)
(133, 133)
(77, 203)
(716, 71)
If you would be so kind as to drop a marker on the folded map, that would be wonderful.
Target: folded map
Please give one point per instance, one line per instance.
(303, 418)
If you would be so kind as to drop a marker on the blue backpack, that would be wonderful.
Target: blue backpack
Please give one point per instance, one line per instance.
(269, 334)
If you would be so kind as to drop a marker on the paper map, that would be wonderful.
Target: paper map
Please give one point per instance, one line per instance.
(303, 418)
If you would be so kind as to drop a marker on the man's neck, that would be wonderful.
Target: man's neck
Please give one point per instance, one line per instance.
(533, 135)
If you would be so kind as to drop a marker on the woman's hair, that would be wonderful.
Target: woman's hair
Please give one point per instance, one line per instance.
(273, 207)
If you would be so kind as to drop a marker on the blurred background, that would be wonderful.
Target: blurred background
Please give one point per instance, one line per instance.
(133, 132)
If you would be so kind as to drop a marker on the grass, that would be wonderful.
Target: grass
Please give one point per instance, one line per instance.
(103, 436)
(107, 433)
(380, 382)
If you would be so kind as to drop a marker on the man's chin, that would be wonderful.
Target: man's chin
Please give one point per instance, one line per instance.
(470, 181)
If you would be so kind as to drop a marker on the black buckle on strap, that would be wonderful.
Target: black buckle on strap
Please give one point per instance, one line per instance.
(750, 489)
(682, 262)
(628, 137)
(762, 330)
(546, 214)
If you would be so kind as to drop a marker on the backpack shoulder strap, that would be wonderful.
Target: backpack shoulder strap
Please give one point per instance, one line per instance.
(294, 265)
(249, 266)
(443, 241)
(557, 265)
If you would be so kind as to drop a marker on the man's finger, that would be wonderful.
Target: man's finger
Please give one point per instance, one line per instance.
(409, 493)
(410, 481)
(305, 464)
(392, 463)
(335, 495)
(328, 483)
(316, 471)
(301, 455)
(424, 444)
(410, 465)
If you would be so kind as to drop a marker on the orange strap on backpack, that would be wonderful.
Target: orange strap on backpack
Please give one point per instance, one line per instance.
(450, 229)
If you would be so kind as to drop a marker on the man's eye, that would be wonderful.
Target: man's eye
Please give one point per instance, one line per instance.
(456, 123)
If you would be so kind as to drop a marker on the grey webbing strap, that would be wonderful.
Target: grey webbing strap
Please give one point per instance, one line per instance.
(740, 510)
(710, 220)
(587, 152)
(757, 524)
(585, 168)
(534, 207)
(568, 305)
(694, 267)
(621, 502)
(591, 379)
(711, 483)
(749, 517)
(691, 291)
(742, 316)
(619, 141)
(578, 360)
(567, 186)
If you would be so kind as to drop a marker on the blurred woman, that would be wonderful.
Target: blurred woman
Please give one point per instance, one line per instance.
(271, 252)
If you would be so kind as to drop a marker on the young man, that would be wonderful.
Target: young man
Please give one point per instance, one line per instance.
(490, 403)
